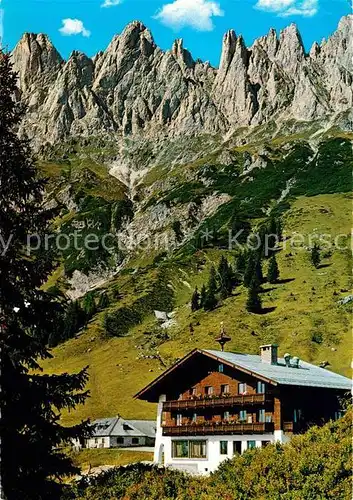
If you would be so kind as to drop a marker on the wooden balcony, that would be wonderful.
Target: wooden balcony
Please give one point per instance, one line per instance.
(288, 426)
(218, 429)
(296, 427)
(241, 400)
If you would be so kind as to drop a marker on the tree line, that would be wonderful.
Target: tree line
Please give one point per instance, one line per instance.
(245, 270)
(75, 316)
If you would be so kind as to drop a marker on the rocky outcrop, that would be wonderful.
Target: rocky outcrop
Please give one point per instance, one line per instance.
(134, 88)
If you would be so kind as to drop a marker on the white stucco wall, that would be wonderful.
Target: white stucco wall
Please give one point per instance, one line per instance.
(213, 451)
(101, 442)
(111, 442)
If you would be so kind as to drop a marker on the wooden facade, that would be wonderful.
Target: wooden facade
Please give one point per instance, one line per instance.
(214, 398)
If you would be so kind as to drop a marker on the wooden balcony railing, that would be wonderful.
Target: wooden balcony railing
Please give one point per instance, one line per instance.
(288, 426)
(217, 429)
(189, 404)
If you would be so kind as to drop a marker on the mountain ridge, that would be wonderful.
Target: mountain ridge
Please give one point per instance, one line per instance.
(135, 89)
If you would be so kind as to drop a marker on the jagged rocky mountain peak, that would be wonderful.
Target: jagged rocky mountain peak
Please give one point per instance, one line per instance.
(134, 88)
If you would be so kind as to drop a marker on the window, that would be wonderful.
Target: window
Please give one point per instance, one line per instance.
(224, 389)
(197, 449)
(262, 416)
(179, 419)
(96, 440)
(338, 414)
(226, 415)
(260, 387)
(189, 449)
(249, 419)
(251, 445)
(223, 447)
(297, 415)
(242, 415)
(193, 391)
(268, 419)
(194, 418)
(126, 427)
(208, 390)
(220, 368)
(242, 388)
(237, 447)
(119, 440)
(180, 449)
(135, 440)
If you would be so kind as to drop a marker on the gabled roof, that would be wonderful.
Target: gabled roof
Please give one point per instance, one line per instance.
(306, 375)
(117, 426)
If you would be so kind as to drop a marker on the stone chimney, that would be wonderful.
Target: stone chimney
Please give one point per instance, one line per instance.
(269, 354)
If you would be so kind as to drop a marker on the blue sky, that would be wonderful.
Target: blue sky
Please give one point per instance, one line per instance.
(89, 25)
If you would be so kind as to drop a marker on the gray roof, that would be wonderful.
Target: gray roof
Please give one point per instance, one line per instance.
(307, 375)
(118, 426)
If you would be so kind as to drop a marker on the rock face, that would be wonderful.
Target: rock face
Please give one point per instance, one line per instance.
(136, 89)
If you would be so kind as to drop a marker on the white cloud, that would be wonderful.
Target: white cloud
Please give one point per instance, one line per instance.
(73, 27)
(306, 8)
(111, 3)
(274, 5)
(196, 14)
(285, 8)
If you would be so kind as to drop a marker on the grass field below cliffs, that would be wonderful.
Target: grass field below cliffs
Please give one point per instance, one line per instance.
(306, 319)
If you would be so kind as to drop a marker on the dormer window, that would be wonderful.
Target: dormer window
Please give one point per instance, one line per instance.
(221, 368)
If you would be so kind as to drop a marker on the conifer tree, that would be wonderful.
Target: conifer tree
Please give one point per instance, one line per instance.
(210, 300)
(253, 303)
(89, 306)
(258, 271)
(74, 319)
(103, 301)
(253, 275)
(240, 266)
(273, 271)
(203, 296)
(315, 255)
(31, 403)
(212, 281)
(249, 269)
(195, 300)
(279, 229)
(225, 274)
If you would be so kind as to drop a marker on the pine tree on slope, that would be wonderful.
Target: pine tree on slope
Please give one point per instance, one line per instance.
(30, 402)
(195, 300)
(103, 301)
(273, 271)
(253, 303)
(315, 255)
(203, 296)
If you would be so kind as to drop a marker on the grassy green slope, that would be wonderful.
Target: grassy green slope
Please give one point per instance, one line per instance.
(305, 305)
